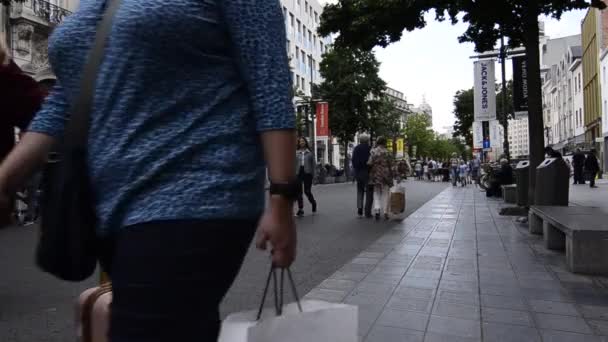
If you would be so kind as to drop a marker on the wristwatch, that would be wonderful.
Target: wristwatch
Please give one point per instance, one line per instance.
(289, 190)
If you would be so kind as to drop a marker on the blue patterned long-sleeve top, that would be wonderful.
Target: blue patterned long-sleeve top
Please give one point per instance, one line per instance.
(184, 91)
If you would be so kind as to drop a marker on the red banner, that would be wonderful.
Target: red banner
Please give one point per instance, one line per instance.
(322, 119)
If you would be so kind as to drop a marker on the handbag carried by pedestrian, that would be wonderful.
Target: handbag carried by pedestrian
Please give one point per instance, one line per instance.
(68, 247)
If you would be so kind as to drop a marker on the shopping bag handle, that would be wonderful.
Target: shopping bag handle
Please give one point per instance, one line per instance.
(278, 290)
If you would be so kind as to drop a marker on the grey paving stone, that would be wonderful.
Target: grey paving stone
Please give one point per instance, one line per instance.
(413, 292)
(563, 323)
(458, 297)
(502, 302)
(600, 327)
(338, 284)
(562, 336)
(417, 282)
(374, 287)
(391, 334)
(391, 270)
(499, 332)
(424, 274)
(455, 327)
(365, 261)
(403, 319)
(354, 276)
(549, 295)
(366, 299)
(410, 304)
(374, 255)
(435, 337)
(460, 286)
(539, 284)
(506, 316)
(594, 312)
(383, 278)
(496, 290)
(357, 268)
(556, 308)
(327, 295)
(446, 309)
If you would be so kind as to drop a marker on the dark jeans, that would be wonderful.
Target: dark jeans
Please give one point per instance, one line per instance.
(169, 277)
(305, 180)
(364, 190)
(578, 175)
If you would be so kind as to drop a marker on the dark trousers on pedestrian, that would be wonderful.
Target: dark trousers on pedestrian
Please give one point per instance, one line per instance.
(591, 177)
(369, 200)
(578, 175)
(305, 180)
(169, 277)
(365, 196)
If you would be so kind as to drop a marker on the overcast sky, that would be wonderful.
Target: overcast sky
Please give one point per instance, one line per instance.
(430, 62)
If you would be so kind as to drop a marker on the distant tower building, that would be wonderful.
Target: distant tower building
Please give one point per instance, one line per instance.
(424, 108)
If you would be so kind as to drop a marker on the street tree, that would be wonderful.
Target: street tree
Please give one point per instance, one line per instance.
(367, 23)
(386, 121)
(352, 87)
(419, 133)
(464, 113)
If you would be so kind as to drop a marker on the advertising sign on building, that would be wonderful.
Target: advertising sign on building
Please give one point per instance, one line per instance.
(322, 119)
(400, 147)
(520, 86)
(485, 90)
(477, 135)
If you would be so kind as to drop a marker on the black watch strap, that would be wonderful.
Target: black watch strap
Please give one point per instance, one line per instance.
(289, 190)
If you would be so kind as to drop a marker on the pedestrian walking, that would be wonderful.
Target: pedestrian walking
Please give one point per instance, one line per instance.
(592, 167)
(177, 138)
(475, 167)
(306, 168)
(454, 168)
(365, 190)
(463, 173)
(418, 169)
(381, 162)
(425, 170)
(20, 98)
(578, 164)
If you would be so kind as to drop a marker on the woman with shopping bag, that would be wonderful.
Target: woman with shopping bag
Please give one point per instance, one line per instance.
(381, 176)
(167, 139)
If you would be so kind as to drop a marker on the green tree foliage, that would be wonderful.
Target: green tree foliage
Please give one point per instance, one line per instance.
(386, 121)
(350, 85)
(419, 133)
(464, 113)
(367, 23)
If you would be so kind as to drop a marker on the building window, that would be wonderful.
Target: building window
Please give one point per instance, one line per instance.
(288, 47)
(316, 17)
(321, 45)
(292, 19)
(306, 6)
(297, 82)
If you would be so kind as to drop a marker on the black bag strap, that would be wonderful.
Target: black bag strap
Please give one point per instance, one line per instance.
(278, 291)
(77, 129)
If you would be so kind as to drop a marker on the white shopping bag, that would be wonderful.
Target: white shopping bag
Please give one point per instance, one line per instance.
(319, 322)
(397, 202)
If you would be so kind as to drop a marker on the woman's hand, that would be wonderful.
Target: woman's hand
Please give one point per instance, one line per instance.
(278, 227)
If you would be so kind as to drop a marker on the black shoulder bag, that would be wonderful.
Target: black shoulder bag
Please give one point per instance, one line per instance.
(68, 247)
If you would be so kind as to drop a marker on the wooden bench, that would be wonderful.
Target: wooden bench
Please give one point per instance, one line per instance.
(509, 193)
(581, 231)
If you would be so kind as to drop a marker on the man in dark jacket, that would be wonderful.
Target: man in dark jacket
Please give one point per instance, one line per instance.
(360, 158)
(578, 163)
(592, 167)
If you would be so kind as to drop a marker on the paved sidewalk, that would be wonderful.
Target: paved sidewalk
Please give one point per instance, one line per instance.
(456, 271)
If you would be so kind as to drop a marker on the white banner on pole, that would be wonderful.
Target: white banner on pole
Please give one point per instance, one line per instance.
(485, 90)
(477, 135)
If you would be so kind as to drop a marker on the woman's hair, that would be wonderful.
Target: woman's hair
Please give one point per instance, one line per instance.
(381, 141)
(305, 141)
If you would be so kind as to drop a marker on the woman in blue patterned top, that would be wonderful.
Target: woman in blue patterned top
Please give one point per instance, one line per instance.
(190, 97)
